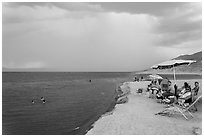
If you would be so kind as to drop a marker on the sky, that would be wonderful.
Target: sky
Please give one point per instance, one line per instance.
(98, 36)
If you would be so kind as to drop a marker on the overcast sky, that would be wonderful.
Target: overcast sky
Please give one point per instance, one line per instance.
(98, 36)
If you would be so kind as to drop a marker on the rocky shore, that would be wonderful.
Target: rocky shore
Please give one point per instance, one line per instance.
(122, 92)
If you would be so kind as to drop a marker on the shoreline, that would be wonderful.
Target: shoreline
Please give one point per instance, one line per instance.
(119, 93)
(108, 123)
(85, 128)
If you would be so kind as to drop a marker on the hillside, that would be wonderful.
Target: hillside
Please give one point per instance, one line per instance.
(196, 56)
(193, 68)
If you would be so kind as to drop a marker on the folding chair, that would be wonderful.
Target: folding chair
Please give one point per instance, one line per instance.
(175, 108)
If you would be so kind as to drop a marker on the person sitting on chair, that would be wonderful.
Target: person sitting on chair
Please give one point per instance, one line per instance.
(169, 92)
(155, 87)
(186, 88)
(167, 96)
(185, 95)
(164, 84)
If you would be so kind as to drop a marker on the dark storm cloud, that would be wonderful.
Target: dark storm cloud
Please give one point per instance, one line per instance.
(98, 36)
(181, 26)
(175, 39)
(178, 22)
(152, 8)
(71, 6)
(69, 9)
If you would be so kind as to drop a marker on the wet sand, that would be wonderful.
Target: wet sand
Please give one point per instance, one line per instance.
(137, 116)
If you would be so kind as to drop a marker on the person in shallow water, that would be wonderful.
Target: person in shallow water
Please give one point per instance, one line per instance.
(43, 99)
(33, 102)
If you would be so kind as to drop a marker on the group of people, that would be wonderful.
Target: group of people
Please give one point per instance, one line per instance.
(164, 92)
(186, 94)
(42, 99)
(137, 79)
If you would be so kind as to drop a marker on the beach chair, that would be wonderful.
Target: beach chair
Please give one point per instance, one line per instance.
(176, 108)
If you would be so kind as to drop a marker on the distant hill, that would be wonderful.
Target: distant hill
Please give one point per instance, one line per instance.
(196, 56)
(192, 68)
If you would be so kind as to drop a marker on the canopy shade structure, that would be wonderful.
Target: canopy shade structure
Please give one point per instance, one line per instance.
(153, 76)
(172, 64)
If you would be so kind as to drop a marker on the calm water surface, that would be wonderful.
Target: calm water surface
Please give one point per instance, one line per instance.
(73, 103)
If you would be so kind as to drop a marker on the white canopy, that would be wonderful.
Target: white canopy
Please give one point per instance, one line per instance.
(172, 63)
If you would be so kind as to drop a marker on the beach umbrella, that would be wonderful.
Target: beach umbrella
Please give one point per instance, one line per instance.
(172, 64)
(154, 76)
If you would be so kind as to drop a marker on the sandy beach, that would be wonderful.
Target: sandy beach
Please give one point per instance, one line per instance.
(137, 116)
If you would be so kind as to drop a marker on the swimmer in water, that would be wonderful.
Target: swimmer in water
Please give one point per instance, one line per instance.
(44, 101)
(42, 98)
(33, 101)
